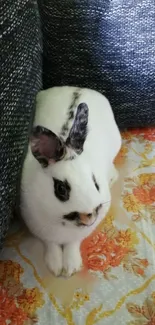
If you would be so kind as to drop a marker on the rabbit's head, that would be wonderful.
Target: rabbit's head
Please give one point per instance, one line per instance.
(74, 190)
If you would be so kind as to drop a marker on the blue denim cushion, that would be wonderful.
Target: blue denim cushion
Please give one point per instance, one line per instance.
(107, 45)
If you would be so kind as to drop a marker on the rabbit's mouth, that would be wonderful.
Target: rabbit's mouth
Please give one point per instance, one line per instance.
(86, 220)
(83, 219)
(90, 218)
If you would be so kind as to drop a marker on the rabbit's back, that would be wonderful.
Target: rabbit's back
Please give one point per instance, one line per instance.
(56, 109)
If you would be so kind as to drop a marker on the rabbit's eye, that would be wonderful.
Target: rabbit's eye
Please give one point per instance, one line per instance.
(95, 182)
(61, 189)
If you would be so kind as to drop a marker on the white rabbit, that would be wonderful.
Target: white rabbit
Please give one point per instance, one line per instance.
(68, 171)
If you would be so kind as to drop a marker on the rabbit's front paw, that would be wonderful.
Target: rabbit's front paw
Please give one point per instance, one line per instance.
(53, 258)
(72, 261)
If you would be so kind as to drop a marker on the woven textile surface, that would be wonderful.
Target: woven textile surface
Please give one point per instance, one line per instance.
(121, 256)
(105, 45)
(20, 80)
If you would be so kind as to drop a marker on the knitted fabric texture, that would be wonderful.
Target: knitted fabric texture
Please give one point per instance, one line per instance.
(20, 81)
(104, 45)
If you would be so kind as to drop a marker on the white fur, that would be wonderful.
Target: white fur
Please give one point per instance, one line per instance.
(41, 210)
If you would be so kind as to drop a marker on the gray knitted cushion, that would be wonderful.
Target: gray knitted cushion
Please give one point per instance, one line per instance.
(20, 80)
(106, 45)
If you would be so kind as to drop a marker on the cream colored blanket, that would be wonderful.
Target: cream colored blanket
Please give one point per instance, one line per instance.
(117, 285)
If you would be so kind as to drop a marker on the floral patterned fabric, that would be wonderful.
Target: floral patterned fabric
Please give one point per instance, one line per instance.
(120, 255)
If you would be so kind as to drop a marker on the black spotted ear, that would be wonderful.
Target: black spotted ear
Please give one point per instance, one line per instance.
(46, 146)
(78, 132)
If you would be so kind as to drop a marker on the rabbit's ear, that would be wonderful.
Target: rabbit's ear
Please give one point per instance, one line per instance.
(78, 132)
(46, 146)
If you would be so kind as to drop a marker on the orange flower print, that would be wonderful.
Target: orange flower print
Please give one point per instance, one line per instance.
(144, 195)
(133, 264)
(17, 304)
(147, 133)
(120, 158)
(137, 131)
(100, 253)
(144, 262)
(10, 312)
(152, 193)
(126, 135)
(143, 315)
(30, 300)
(130, 203)
(147, 179)
(127, 238)
(10, 269)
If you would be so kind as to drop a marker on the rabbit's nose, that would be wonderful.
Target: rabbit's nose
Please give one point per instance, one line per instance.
(87, 219)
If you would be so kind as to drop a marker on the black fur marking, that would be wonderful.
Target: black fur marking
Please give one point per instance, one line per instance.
(78, 132)
(61, 190)
(96, 184)
(71, 109)
(63, 133)
(65, 129)
(98, 208)
(73, 216)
